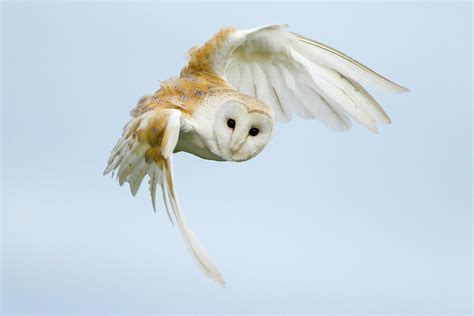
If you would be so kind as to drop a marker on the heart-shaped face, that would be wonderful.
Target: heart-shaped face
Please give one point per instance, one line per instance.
(240, 131)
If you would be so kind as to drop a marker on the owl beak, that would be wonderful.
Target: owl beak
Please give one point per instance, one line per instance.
(236, 146)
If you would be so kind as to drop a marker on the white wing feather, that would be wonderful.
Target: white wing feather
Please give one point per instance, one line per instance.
(293, 103)
(266, 92)
(332, 58)
(246, 81)
(295, 74)
(332, 92)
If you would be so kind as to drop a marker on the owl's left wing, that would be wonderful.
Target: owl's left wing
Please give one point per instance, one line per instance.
(294, 74)
(146, 148)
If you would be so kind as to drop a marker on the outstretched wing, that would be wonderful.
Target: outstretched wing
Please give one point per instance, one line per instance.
(146, 148)
(294, 74)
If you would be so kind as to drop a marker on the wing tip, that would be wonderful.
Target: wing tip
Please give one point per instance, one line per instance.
(396, 88)
(377, 79)
(404, 90)
(214, 274)
(108, 169)
(220, 281)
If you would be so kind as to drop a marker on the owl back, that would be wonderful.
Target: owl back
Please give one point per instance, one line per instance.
(185, 93)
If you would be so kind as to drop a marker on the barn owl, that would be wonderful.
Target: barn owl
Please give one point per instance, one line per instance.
(224, 104)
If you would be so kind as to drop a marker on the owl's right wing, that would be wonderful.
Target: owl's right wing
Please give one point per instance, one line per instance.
(294, 74)
(146, 148)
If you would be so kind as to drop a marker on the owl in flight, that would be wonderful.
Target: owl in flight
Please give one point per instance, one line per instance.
(226, 100)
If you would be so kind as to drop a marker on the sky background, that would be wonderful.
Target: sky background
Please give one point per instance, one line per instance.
(319, 222)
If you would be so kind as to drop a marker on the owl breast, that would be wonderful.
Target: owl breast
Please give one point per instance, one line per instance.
(191, 142)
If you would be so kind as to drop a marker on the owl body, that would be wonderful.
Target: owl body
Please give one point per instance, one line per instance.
(224, 105)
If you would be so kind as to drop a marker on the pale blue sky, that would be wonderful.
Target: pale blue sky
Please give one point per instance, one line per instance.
(319, 222)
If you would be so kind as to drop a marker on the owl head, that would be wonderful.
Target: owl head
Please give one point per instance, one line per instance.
(241, 127)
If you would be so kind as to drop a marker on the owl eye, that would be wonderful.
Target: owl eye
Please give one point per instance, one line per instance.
(254, 131)
(231, 123)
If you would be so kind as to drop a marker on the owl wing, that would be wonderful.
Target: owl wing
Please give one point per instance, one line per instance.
(294, 74)
(146, 148)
